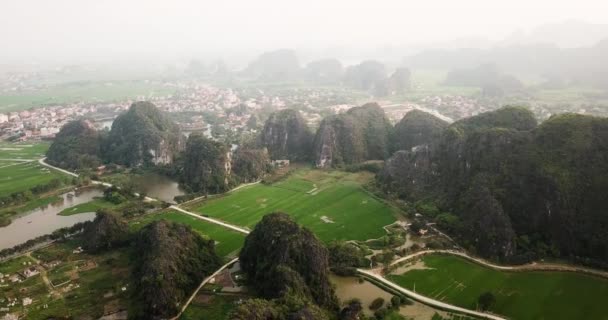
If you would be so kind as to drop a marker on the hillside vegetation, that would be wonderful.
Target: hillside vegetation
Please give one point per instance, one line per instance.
(362, 133)
(518, 190)
(143, 135)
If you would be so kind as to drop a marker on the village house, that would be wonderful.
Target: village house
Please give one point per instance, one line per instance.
(30, 272)
(27, 301)
(280, 163)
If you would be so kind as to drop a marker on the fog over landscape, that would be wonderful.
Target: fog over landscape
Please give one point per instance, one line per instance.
(303, 160)
(84, 31)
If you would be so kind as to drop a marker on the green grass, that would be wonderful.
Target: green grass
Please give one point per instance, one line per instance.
(519, 295)
(34, 204)
(82, 91)
(24, 176)
(14, 265)
(218, 308)
(86, 301)
(355, 214)
(228, 243)
(23, 150)
(91, 206)
(60, 274)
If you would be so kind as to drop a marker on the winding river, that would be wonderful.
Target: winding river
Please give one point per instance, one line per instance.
(45, 219)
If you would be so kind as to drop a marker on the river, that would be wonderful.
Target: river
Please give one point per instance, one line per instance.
(45, 220)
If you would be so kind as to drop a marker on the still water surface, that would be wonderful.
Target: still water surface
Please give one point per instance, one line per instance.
(45, 220)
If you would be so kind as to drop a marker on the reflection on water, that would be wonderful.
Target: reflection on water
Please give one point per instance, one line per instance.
(348, 288)
(157, 186)
(44, 220)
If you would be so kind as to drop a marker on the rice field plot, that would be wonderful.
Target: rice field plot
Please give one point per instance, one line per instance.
(519, 295)
(24, 151)
(211, 307)
(332, 204)
(228, 243)
(24, 176)
(98, 284)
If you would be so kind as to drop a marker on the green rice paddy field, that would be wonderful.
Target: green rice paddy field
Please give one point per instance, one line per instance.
(24, 176)
(228, 243)
(330, 203)
(26, 150)
(519, 295)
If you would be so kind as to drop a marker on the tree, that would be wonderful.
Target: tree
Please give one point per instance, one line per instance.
(286, 135)
(377, 303)
(256, 309)
(106, 232)
(171, 260)
(486, 300)
(206, 165)
(76, 146)
(280, 259)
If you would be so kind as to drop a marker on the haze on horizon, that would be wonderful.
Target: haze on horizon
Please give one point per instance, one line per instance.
(85, 30)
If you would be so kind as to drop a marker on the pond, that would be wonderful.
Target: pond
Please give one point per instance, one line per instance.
(157, 186)
(348, 288)
(45, 220)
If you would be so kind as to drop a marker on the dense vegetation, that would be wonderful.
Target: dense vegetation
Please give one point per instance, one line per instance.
(206, 166)
(106, 232)
(417, 128)
(286, 262)
(487, 77)
(249, 165)
(362, 133)
(278, 65)
(287, 136)
(143, 136)
(172, 259)
(77, 145)
(326, 71)
(518, 191)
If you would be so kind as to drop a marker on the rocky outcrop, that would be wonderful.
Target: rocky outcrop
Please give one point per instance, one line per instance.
(287, 136)
(76, 146)
(282, 259)
(417, 128)
(362, 133)
(143, 136)
(518, 189)
(207, 165)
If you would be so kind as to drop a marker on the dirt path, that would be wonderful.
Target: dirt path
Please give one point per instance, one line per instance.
(223, 224)
(428, 301)
(534, 266)
(43, 274)
(205, 281)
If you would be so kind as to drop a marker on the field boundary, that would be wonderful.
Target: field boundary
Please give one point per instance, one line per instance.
(426, 300)
(217, 195)
(203, 283)
(545, 267)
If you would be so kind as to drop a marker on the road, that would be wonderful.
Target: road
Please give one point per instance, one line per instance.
(17, 160)
(375, 273)
(100, 183)
(428, 301)
(185, 306)
(534, 266)
(211, 220)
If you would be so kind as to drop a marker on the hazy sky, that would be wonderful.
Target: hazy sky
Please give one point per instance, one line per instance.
(34, 29)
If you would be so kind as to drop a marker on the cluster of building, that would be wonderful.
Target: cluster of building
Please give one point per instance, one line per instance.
(456, 106)
(200, 105)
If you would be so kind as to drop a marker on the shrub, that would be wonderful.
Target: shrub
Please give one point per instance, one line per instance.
(377, 303)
